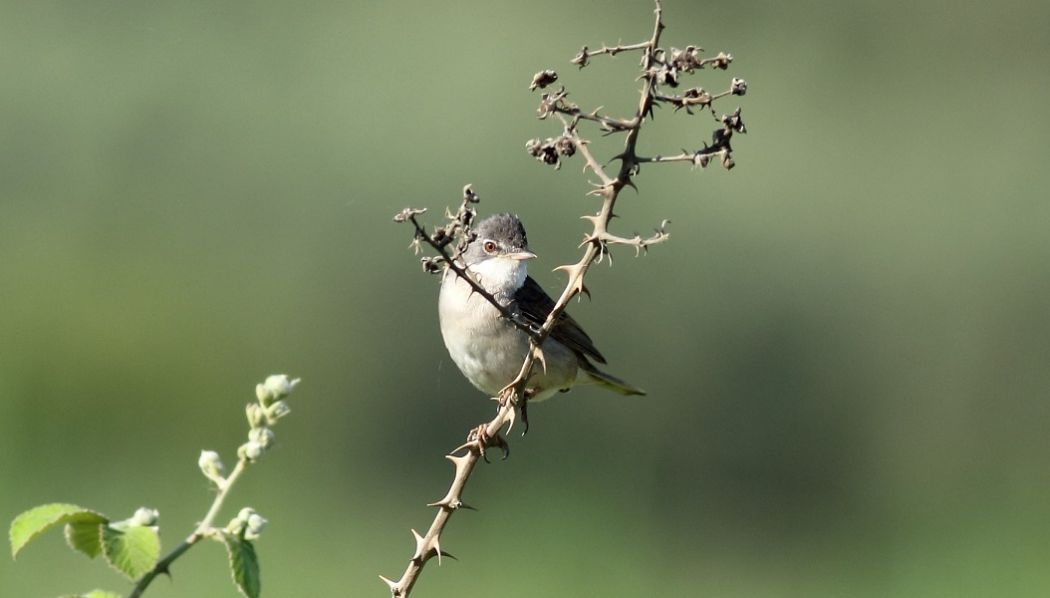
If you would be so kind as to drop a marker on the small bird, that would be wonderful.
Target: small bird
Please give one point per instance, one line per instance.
(488, 348)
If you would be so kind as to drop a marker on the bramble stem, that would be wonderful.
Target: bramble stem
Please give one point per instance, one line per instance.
(204, 529)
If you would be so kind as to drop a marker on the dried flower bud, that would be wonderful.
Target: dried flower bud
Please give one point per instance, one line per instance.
(407, 213)
(686, 60)
(738, 86)
(733, 122)
(701, 159)
(533, 146)
(722, 60)
(431, 265)
(727, 161)
(565, 145)
(542, 79)
(582, 58)
(440, 237)
(469, 196)
(667, 75)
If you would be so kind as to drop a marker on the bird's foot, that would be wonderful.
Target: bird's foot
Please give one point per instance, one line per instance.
(479, 439)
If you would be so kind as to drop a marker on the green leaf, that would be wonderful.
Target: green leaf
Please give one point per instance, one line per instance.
(38, 520)
(244, 565)
(132, 550)
(95, 594)
(85, 536)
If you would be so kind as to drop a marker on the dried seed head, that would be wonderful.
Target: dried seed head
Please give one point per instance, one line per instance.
(549, 154)
(667, 75)
(469, 196)
(738, 86)
(688, 59)
(582, 58)
(722, 61)
(733, 122)
(565, 145)
(533, 146)
(431, 265)
(542, 79)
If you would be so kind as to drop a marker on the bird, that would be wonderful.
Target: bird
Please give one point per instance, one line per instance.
(489, 348)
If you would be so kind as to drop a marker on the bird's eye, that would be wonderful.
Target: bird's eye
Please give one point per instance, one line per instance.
(489, 247)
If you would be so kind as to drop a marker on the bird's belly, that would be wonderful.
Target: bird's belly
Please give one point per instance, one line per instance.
(489, 350)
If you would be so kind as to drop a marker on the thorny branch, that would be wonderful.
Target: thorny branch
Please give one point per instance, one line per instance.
(458, 227)
(659, 67)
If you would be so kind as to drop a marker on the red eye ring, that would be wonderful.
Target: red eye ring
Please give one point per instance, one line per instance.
(489, 246)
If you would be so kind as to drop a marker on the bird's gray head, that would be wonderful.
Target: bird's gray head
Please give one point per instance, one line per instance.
(498, 253)
(498, 236)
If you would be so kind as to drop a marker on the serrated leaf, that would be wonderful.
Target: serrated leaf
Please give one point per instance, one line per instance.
(85, 536)
(132, 550)
(38, 520)
(243, 565)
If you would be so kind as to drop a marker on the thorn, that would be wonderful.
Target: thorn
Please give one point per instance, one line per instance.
(437, 549)
(512, 418)
(537, 353)
(595, 219)
(465, 446)
(393, 585)
(421, 548)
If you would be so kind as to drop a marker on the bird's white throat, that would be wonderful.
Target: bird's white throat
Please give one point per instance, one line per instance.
(500, 274)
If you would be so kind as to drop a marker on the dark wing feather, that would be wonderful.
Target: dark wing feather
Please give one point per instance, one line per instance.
(535, 305)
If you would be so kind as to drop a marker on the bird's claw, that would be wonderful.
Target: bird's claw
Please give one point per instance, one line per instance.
(508, 396)
(480, 439)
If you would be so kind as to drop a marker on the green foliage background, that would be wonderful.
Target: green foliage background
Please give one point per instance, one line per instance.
(845, 342)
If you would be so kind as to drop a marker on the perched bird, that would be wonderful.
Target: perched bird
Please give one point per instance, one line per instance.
(488, 348)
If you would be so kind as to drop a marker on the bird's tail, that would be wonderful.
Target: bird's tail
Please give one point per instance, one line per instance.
(609, 381)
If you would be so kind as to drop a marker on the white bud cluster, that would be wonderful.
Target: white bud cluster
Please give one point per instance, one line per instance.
(247, 522)
(264, 413)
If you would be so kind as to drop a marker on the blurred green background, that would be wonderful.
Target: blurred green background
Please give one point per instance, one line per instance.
(846, 341)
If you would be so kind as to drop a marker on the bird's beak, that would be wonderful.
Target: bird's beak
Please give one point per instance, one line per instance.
(522, 255)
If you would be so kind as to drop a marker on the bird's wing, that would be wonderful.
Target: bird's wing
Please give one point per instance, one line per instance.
(535, 305)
